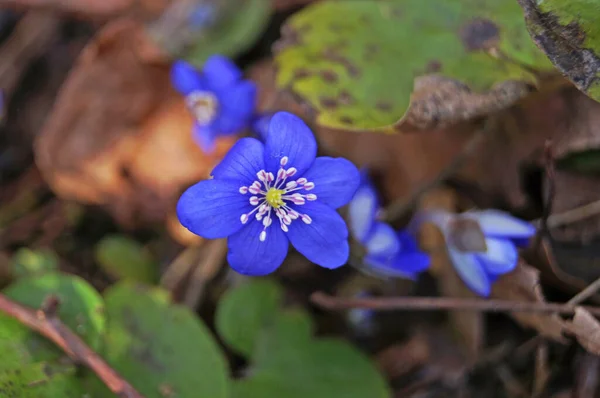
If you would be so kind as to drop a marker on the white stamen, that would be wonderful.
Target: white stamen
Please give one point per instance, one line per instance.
(267, 221)
(280, 174)
(254, 200)
(301, 181)
(309, 185)
(311, 196)
(306, 218)
(284, 227)
(283, 161)
(243, 190)
(291, 185)
(244, 218)
(270, 177)
(253, 190)
(262, 236)
(291, 171)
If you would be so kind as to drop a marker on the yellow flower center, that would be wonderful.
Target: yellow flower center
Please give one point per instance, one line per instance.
(273, 197)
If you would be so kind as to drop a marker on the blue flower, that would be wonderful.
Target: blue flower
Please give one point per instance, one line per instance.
(502, 233)
(388, 253)
(263, 196)
(220, 100)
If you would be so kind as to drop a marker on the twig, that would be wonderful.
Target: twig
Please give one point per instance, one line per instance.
(571, 216)
(550, 193)
(399, 207)
(442, 304)
(214, 255)
(49, 326)
(586, 293)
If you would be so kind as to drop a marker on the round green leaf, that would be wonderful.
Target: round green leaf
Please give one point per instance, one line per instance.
(293, 365)
(124, 258)
(568, 32)
(161, 348)
(360, 64)
(31, 262)
(41, 380)
(244, 311)
(81, 307)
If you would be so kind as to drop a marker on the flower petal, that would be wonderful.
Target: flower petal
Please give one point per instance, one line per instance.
(361, 212)
(186, 78)
(260, 125)
(336, 180)
(496, 223)
(501, 256)
(204, 137)
(221, 72)
(239, 101)
(249, 256)
(403, 265)
(289, 136)
(212, 208)
(242, 162)
(324, 240)
(471, 272)
(382, 241)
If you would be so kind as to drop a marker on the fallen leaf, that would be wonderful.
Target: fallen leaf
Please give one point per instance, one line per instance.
(119, 136)
(523, 285)
(586, 329)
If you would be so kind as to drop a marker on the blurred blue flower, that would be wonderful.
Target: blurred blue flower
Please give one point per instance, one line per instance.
(388, 253)
(502, 233)
(279, 180)
(220, 100)
(260, 125)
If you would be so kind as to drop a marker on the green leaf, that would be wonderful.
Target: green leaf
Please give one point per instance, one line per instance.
(356, 62)
(33, 262)
(163, 349)
(293, 365)
(568, 32)
(246, 20)
(584, 162)
(81, 307)
(41, 380)
(244, 311)
(124, 258)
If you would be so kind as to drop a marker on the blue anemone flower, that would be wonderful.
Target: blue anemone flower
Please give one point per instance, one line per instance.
(263, 196)
(502, 233)
(388, 253)
(221, 102)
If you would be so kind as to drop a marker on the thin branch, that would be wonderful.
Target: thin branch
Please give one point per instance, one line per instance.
(442, 304)
(49, 326)
(399, 207)
(586, 293)
(571, 216)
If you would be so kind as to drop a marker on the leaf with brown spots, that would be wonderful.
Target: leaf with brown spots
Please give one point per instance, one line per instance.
(567, 31)
(478, 50)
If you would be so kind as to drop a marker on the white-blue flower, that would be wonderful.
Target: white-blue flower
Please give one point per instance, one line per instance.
(502, 233)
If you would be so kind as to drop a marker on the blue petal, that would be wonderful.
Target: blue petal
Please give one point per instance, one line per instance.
(403, 265)
(324, 240)
(204, 137)
(260, 125)
(470, 271)
(336, 180)
(249, 256)
(289, 136)
(221, 72)
(382, 241)
(501, 256)
(239, 101)
(496, 223)
(407, 242)
(361, 212)
(186, 78)
(242, 162)
(212, 209)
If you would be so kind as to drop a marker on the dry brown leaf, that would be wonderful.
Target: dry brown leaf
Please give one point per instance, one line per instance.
(523, 285)
(119, 135)
(144, 9)
(586, 329)
(467, 325)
